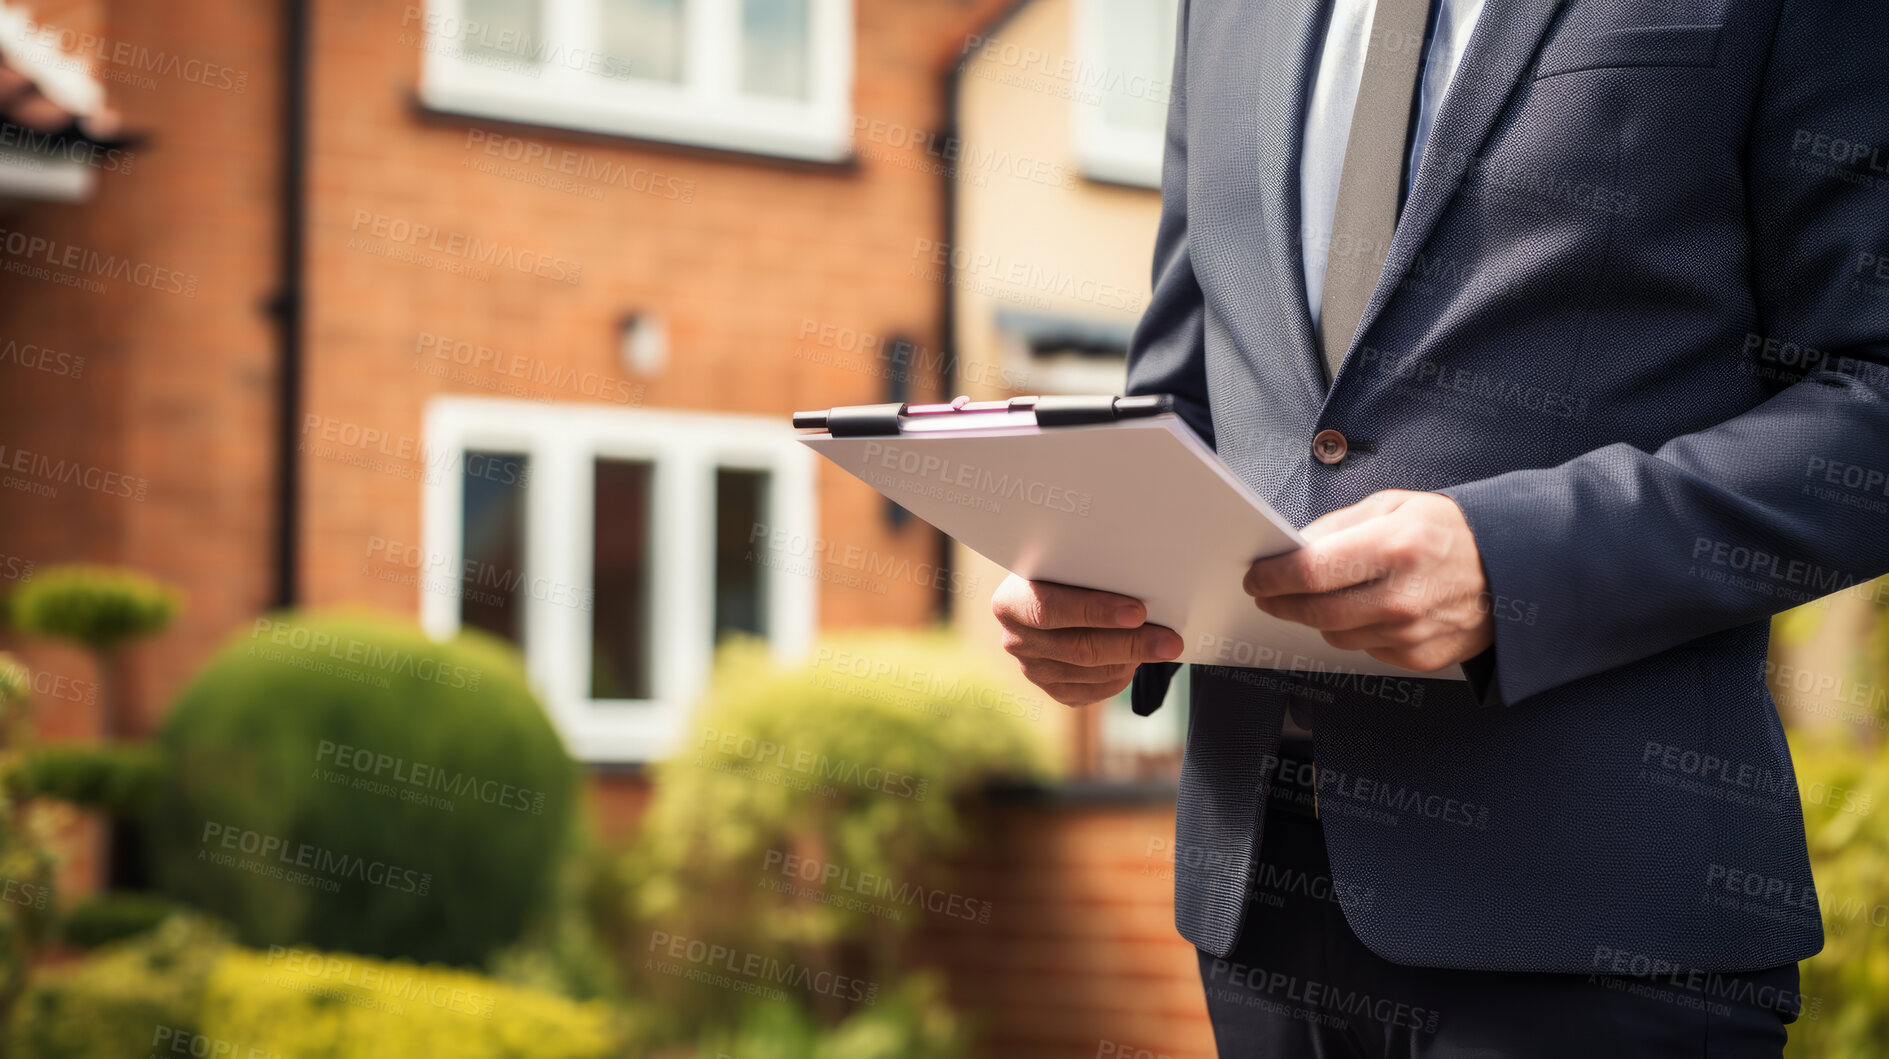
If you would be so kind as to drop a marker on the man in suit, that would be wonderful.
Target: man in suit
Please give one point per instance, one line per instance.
(1562, 326)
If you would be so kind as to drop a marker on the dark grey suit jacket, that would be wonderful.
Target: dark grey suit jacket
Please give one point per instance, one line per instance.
(1634, 321)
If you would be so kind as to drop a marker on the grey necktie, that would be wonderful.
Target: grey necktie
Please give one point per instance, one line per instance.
(1372, 177)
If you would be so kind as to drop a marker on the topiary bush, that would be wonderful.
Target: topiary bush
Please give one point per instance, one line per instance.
(342, 781)
(119, 780)
(97, 607)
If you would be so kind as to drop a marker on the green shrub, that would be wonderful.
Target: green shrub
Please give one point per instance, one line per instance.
(118, 780)
(305, 1004)
(912, 1022)
(344, 782)
(1849, 856)
(184, 990)
(124, 1001)
(109, 917)
(98, 607)
(27, 863)
(856, 759)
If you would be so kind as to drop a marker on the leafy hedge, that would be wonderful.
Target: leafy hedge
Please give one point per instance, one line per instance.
(853, 763)
(345, 782)
(1849, 856)
(184, 990)
(122, 1002)
(305, 1004)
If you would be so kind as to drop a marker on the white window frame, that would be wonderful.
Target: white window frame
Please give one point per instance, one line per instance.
(1104, 150)
(707, 109)
(563, 441)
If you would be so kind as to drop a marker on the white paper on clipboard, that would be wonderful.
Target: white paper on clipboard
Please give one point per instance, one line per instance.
(1140, 506)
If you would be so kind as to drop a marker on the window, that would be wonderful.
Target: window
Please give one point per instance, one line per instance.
(1126, 62)
(614, 547)
(764, 76)
(492, 543)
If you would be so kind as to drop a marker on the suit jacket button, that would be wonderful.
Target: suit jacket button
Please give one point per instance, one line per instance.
(1329, 446)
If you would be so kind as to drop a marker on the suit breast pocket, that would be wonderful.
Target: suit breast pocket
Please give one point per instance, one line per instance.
(1612, 49)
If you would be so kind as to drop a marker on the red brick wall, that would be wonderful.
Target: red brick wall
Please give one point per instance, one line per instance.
(1080, 959)
(758, 253)
(173, 396)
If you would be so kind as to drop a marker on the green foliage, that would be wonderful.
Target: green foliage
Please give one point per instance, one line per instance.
(123, 1001)
(856, 761)
(1843, 771)
(119, 780)
(564, 951)
(304, 1004)
(99, 607)
(342, 781)
(110, 917)
(913, 1022)
(1849, 854)
(26, 861)
(16, 685)
(182, 989)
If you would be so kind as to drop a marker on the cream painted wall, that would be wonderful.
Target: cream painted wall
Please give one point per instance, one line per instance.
(1034, 233)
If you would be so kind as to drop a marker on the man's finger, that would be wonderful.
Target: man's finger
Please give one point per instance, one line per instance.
(1346, 557)
(1370, 507)
(1399, 635)
(1096, 647)
(1332, 611)
(1084, 694)
(1047, 605)
(1046, 671)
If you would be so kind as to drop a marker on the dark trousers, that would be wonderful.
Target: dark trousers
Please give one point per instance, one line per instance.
(1300, 984)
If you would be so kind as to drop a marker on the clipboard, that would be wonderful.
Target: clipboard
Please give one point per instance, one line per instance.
(1109, 493)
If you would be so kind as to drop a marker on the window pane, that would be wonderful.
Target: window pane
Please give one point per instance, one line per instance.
(775, 42)
(740, 584)
(502, 27)
(492, 541)
(619, 622)
(1138, 50)
(644, 37)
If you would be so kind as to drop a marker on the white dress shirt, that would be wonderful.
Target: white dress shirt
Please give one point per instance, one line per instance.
(1328, 116)
(1328, 128)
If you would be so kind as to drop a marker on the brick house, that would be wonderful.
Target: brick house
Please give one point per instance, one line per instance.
(490, 312)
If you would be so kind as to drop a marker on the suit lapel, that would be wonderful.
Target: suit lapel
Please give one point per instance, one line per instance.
(1499, 53)
(1288, 79)
(1252, 61)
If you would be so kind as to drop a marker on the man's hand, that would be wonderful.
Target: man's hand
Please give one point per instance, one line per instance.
(1396, 575)
(1078, 645)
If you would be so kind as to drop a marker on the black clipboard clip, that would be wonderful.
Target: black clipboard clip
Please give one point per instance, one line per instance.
(882, 420)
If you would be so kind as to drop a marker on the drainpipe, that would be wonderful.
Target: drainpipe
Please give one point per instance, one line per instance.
(287, 304)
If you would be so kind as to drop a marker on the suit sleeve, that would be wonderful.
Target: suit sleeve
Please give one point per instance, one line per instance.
(1166, 353)
(1623, 553)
